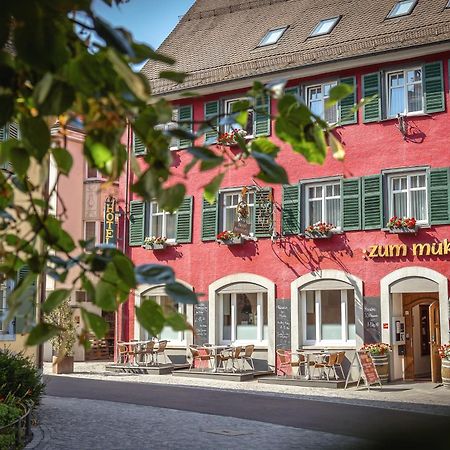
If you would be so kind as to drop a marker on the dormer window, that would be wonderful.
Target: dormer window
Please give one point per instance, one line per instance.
(272, 37)
(325, 26)
(402, 8)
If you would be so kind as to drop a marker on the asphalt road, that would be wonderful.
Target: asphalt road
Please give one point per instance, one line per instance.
(387, 427)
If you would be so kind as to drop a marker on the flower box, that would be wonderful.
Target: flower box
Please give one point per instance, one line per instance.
(318, 235)
(401, 225)
(403, 230)
(233, 241)
(154, 246)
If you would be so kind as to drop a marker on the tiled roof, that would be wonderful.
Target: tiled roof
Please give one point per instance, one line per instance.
(217, 39)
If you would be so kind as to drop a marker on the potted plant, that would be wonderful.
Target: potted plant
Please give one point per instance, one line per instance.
(379, 353)
(444, 353)
(155, 243)
(320, 230)
(62, 343)
(229, 138)
(398, 225)
(229, 238)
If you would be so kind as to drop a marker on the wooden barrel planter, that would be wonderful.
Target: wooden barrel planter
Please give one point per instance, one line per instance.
(381, 363)
(445, 371)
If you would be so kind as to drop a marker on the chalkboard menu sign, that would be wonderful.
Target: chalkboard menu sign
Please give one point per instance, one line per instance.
(201, 323)
(283, 323)
(368, 367)
(372, 320)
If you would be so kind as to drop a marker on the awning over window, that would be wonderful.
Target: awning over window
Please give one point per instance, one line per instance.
(241, 288)
(322, 285)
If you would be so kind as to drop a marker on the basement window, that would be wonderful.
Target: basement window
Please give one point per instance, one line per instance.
(325, 26)
(272, 37)
(402, 8)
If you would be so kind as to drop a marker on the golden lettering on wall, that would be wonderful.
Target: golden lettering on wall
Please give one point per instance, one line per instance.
(440, 248)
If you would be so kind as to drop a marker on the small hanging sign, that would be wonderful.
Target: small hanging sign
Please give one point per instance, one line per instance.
(110, 228)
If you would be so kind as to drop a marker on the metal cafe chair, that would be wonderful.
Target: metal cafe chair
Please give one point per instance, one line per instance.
(232, 354)
(326, 366)
(247, 356)
(339, 360)
(285, 358)
(125, 353)
(160, 350)
(146, 352)
(200, 354)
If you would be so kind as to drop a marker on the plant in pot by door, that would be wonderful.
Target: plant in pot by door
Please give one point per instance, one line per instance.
(62, 343)
(444, 353)
(379, 353)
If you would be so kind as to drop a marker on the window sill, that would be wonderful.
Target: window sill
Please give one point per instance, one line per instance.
(158, 247)
(7, 337)
(236, 241)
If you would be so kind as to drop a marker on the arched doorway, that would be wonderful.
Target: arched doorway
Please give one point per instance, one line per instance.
(414, 312)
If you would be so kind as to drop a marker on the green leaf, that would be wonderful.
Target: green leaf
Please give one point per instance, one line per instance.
(63, 159)
(36, 135)
(20, 159)
(95, 323)
(270, 170)
(264, 145)
(105, 295)
(114, 37)
(212, 188)
(42, 333)
(150, 316)
(54, 300)
(154, 274)
(180, 293)
(177, 77)
(172, 197)
(338, 93)
(205, 154)
(177, 321)
(125, 270)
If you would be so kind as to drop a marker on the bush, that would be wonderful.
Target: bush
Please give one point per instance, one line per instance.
(8, 414)
(19, 377)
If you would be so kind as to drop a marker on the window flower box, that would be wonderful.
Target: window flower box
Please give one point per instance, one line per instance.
(319, 230)
(229, 238)
(229, 138)
(155, 243)
(405, 225)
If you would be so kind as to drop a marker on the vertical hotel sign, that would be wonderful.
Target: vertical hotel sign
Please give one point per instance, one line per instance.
(110, 228)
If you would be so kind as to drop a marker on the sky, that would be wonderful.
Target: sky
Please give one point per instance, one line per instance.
(150, 21)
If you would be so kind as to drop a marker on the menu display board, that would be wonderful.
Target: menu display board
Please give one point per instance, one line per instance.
(201, 323)
(372, 320)
(283, 323)
(370, 372)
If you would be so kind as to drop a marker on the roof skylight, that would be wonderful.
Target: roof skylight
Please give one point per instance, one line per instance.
(402, 8)
(272, 37)
(325, 26)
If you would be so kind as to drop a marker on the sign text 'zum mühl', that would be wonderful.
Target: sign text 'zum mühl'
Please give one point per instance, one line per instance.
(110, 233)
(440, 248)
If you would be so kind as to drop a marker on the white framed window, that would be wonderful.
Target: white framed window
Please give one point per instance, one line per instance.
(175, 338)
(323, 203)
(405, 92)
(328, 316)
(408, 196)
(92, 173)
(272, 37)
(317, 96)
(6, 329)
(325, 26)
(161, 223)
(244, 318)
(230, 201)
(228, 106)
(402, 8)
(93, 230)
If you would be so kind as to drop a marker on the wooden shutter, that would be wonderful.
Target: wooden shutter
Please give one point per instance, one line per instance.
(137, 223)
(26, 311)
(13, 130)
(371, 86)
(184, 221)
(290, 214)
(346, 115)
(263, 212)
(209, 220)
(433, 83)
(211, 112)
(351, 204)
(261, 118)
(439, 185)
(185, 117)
(3, 134)
(372, 202)
(138, 146)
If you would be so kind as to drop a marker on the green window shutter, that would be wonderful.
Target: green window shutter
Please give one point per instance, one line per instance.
(261, 117)
(184, 221)
(185, 118)
(211, 112)
(26, 312)
(263, 212)
(137, 223)
(138, 146)
(439, 185)
(290, 214)
(351, 204)
(209, 221)
(371, 86)
(13, 131)
(3, 134)
(433, 87)
(372, 205)
(293, 90)
(347, 116)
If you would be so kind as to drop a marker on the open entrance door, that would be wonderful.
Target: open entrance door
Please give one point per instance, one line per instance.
(435, 339)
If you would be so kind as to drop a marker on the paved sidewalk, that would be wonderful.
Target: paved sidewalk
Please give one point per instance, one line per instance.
(422, 397)
(80, 424)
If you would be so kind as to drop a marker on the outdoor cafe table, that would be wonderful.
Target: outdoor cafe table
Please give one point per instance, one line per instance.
(215, 350)
(134, 346)
(319, 355)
